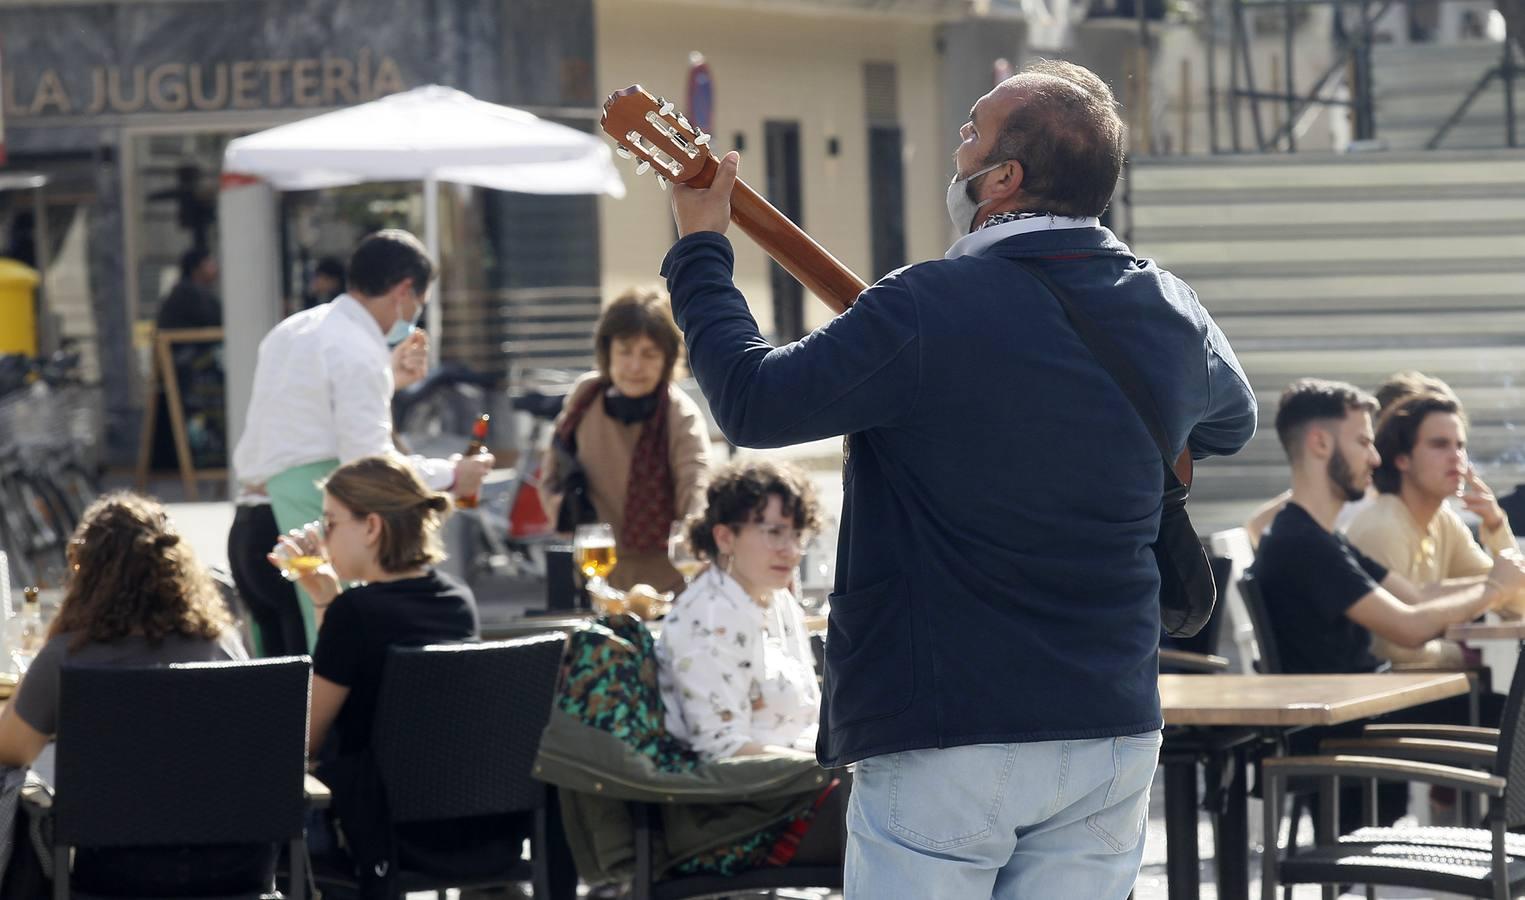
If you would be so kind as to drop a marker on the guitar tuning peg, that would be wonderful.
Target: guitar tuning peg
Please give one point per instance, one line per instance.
(666, 108)
(662, 182)
(643, 168)
(623, 152)
(684, 122)
(703, 140)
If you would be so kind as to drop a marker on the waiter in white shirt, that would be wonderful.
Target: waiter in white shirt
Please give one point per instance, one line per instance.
(323, 385)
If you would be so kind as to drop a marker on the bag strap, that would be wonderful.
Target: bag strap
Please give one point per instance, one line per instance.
(1117, 365)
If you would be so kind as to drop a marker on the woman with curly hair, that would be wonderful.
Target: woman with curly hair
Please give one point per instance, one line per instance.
(137, 597)
(736, 671)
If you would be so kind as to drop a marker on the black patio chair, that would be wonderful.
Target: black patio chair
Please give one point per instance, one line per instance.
(184, 779)
(1487, 861)
(1268, 660)
(456, 732)
(1198, 654)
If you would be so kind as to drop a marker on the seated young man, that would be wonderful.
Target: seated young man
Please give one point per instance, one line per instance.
(1410, 529)
(1398, 386)
(1326, 599)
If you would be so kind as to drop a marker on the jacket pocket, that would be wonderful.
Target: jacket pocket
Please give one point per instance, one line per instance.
(869, 653)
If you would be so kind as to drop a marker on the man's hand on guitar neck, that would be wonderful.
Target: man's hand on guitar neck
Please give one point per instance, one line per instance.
(706, 209)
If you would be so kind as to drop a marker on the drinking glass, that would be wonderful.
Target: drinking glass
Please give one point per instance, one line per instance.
(681, 551)
(594, 556)
(295, 563)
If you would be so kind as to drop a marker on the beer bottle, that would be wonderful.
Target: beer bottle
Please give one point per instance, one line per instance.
(477, 445)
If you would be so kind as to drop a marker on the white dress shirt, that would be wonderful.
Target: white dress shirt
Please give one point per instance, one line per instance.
(323, 390)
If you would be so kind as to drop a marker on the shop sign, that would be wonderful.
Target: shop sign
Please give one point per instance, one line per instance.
(173, 87)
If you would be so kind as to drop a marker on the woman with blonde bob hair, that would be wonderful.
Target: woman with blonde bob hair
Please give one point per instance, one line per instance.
(379, 535)
(630, 448)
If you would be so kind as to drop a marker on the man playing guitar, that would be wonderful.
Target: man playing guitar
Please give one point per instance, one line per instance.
(991, 659)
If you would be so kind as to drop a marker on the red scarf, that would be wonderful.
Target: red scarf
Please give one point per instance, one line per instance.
(650, 507)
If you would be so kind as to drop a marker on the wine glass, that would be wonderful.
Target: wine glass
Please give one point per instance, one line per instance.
(594, 555)
(680, 549)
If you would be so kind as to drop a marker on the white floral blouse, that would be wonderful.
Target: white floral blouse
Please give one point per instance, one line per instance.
(734, 672)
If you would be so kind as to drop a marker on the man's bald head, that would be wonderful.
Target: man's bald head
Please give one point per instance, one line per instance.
(1062, 125)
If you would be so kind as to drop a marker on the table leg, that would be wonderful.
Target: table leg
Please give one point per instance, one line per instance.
(1233, 844)
(1181, 864)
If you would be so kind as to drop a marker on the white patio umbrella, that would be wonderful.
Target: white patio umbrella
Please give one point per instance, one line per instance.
(429, 134)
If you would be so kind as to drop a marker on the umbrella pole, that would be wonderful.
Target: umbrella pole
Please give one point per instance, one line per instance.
(434, 316)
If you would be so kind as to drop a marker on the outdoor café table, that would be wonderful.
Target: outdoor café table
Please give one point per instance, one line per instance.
(1217, 717)
(1498, 640)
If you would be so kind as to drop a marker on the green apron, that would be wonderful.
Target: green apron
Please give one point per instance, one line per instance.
(296, 500)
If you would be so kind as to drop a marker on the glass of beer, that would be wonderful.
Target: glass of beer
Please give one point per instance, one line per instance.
(681, 551)
(593, 551)
(302, 554)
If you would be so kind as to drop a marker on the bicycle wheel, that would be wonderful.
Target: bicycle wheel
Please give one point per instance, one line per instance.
(50, 530)
(16, 534)
(76, 489)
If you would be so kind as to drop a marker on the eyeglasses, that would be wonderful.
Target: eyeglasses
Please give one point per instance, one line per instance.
(781, 537)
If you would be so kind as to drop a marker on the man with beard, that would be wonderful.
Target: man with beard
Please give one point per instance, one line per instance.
(1326, 598)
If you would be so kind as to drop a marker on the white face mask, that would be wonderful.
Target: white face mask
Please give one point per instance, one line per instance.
(961, 209)
(403, 328)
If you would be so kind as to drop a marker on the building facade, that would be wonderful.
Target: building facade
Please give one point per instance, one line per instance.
(845, 112)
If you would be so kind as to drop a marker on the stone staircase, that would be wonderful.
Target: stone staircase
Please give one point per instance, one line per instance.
(1350, 267)
(1417, 87)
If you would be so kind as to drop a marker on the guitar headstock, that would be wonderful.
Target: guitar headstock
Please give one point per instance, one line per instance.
(648, 129)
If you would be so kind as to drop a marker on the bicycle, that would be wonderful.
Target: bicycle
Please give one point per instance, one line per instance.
(46, 416)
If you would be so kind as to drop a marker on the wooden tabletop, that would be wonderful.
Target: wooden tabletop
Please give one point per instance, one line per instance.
(1195, 662)
(1491, 629)
(1280, 700)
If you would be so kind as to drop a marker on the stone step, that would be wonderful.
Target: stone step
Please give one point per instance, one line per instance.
(1229, 214)
(1465, 136)
(1174, 176)
(1442, 328)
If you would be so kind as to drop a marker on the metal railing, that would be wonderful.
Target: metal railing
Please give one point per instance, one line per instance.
(1352, 67)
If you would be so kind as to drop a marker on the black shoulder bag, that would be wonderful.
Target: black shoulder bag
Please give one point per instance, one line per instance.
(1187, 590)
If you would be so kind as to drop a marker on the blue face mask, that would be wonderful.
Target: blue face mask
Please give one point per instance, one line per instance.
(401, 328)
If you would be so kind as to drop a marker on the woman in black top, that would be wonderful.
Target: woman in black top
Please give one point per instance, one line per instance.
(380, 525)
(379, 536)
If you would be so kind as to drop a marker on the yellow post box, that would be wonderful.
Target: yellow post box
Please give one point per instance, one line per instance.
(18, 308)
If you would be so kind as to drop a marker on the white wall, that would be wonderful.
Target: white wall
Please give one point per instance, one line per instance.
(787, 66)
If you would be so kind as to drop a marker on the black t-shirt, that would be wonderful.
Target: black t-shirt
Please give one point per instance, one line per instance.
(1309, 578)
(364, 621)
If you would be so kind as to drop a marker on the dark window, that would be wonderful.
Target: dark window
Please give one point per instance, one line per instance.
(782, 153)
(886, 199)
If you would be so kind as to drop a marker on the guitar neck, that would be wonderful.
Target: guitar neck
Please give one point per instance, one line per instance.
(821, 273)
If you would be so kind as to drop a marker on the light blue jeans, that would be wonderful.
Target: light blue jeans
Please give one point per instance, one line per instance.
(1038, 821)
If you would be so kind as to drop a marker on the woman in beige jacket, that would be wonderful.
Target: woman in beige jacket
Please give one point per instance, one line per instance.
(630, 448)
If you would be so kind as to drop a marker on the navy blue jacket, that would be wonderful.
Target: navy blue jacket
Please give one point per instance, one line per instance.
(994, 580)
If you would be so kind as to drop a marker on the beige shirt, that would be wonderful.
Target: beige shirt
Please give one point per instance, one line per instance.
(605, 448)
(1387, 532)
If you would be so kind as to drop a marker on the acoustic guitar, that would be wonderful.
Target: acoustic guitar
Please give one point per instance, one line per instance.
(660, 139)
